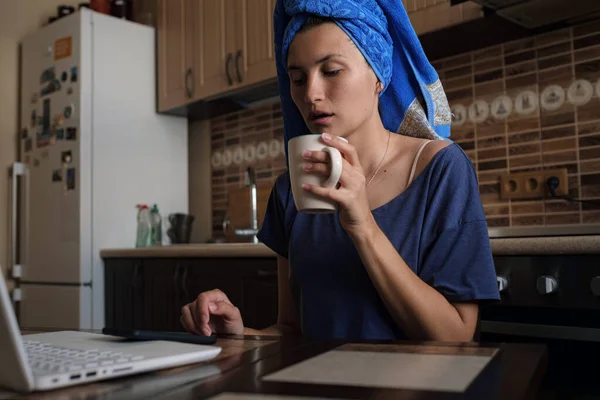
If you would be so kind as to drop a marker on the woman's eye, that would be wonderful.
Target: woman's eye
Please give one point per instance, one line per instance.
(297, 80)
(332, 73)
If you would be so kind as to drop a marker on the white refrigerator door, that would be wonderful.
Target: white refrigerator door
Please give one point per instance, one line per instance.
(139, 156)
(55, 307)
(51, 207)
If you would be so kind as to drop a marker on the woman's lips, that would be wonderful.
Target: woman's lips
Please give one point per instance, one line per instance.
(321, 120)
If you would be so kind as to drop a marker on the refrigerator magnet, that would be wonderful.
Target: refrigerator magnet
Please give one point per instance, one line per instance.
(71, 133)
(73, 74)
(47, 75)
(64, 76)
(33, 117)
(69, 111)
(60, 133)
(70, 179)
(63, 48)
(70, 90)
(28, 145)
(24, 133)
(57, 175)
(66, 157)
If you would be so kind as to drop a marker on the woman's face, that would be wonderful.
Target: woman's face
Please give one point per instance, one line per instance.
(331, 83)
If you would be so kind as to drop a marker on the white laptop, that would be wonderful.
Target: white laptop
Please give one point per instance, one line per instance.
(57, 359)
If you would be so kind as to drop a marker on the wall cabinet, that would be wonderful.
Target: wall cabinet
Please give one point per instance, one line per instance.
(149, 293)
(209, 47)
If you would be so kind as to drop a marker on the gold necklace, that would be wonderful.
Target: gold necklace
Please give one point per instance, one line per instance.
(382, 158)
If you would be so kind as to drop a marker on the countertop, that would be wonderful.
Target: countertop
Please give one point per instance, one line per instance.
(547, 245)
(194, 250)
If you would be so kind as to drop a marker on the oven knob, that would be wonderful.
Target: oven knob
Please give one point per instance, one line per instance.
(502, 283)
(595, 285)
(546, 284)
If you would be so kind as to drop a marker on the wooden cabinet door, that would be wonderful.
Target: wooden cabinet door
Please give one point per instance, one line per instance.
(213, 57)
(260, 296)
(257, 62)
(173, 63)
(124, 304)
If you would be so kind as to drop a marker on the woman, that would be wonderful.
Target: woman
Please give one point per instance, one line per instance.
(408, 254)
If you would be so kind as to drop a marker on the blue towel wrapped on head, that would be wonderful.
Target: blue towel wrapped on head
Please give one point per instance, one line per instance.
(413, 101)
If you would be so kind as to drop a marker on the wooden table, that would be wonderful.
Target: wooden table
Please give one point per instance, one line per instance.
(514, 372)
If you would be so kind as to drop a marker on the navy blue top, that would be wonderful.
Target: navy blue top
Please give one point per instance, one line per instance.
(437, 225)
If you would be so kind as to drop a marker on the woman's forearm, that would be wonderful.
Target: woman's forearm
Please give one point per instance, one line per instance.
(420, 310)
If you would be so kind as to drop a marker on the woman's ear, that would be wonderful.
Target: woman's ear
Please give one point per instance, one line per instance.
(379, 87)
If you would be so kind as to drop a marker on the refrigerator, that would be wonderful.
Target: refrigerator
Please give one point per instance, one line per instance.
(92, 147)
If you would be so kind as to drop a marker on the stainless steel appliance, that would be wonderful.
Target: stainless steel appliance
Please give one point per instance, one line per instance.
(551, 299)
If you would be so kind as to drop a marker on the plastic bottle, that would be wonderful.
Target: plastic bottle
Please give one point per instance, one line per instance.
(144, 226)
(156, 232)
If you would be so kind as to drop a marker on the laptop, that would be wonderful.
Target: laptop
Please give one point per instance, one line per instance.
(54, 360)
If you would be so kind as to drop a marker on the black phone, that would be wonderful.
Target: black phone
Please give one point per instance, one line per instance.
(138, 334)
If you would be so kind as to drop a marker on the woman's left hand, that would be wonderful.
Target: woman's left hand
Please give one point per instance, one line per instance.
(351, 195)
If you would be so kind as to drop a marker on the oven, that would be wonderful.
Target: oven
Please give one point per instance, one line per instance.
(555, 300)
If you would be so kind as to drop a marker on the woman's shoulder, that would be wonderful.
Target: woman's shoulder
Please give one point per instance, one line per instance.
(433, 150)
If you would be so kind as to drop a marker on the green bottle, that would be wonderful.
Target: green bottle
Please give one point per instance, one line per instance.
(156, 224)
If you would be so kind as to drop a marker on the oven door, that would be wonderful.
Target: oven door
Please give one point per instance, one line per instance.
(553, 300)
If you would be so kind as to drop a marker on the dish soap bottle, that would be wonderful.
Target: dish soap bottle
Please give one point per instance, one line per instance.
(156, 224)
(144, 226)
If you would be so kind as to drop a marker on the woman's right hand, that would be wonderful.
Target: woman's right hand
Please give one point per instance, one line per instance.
(212, 312)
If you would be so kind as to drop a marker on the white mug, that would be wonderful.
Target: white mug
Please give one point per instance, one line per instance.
(309, 202)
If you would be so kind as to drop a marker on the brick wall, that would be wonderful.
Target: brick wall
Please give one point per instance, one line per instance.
(493, 93)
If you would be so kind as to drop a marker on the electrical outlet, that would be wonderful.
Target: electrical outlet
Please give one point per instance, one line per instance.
(532, 184)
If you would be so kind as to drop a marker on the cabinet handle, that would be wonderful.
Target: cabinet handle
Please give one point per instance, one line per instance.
(183, 285)
(262, 272)
(189, 88)
(134, 280)
(229, 80)
(237, 65)
(176, 277)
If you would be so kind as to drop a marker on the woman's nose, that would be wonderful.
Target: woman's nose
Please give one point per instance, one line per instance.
(313, 90)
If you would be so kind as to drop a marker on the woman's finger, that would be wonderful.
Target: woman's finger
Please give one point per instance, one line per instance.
(187, 320)
(317, 168)
(351, 177)
(316, 156)
(328, 193)
(348, 150)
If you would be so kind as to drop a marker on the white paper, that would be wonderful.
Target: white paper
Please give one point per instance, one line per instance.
(255, 396)
(437, 372)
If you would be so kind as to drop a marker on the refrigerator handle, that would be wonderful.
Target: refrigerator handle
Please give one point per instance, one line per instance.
(17, 169)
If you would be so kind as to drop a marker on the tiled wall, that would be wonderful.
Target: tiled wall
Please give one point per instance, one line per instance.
(563, 130)
(251, 137)
(514, 130)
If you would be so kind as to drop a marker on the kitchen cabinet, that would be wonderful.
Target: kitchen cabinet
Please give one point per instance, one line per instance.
(209, 47)
(148, 293)
(174, 66)
(124, 301)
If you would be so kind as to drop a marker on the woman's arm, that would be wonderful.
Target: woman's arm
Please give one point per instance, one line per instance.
(288, 321)
(420, 310)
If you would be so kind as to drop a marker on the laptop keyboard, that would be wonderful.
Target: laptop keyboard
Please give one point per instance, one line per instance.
(45, 358)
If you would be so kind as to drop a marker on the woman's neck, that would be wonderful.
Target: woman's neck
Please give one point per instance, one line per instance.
(371, 142)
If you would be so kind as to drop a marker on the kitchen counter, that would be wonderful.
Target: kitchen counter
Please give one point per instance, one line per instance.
(546, 245)
(194, 250)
